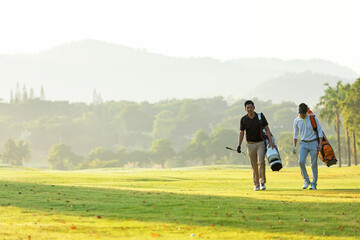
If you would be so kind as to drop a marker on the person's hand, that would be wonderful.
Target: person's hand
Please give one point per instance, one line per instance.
(293, 149)
(272, 145)
(319, 147)
(238, 149)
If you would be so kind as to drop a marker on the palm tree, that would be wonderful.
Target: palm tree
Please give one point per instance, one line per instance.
(351, 107)
(331, 103)
(354, 148)
(347, 120)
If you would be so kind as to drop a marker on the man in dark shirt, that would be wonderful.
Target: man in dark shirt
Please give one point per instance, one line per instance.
(255, 143)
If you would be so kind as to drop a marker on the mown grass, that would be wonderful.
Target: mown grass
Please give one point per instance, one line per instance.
(205, 203)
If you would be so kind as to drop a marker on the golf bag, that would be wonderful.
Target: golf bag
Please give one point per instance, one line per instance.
(326, 154)
(272, 154)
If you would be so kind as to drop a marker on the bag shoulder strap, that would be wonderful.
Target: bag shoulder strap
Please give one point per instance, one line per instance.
(259, 117)
(262, 129)
(313, 123)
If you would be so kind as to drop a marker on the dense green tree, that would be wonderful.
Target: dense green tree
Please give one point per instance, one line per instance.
(215, 109)
(104, 154)
(351, 113)
(284, 144)
(189, 117)
(61, 157)
(135, 119)
(196, 149)
(139, 158)
(161, 151)
(200, 137)
(24, 151)
(283, 119)
(135, 126)
(16, 152)
(221, 138)
(164, 125)
(92, 130)
(98, 163)
(55, 128)
(346, 123)
(9, 154)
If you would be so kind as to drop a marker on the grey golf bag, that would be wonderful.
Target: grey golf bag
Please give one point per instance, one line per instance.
(272, 154)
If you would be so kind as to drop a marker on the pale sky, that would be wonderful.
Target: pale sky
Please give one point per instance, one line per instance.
(223, 29)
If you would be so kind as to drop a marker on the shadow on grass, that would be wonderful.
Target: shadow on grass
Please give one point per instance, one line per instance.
(188, 209)
(334, 190)
(163, 179)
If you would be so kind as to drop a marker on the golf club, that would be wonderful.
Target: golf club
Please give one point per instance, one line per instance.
(235, 150)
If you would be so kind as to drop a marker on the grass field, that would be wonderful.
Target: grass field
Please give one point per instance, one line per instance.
(192, 203)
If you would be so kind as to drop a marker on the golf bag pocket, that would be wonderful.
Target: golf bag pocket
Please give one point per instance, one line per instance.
(327, 154)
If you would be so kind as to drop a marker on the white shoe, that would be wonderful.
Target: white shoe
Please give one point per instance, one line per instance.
(306, 185)
(313, 187)
(256, 188)
(262, 186)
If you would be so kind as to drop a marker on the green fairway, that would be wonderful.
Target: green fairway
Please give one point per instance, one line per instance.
(215, 202)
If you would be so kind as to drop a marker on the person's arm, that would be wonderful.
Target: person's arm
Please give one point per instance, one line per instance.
(268, 133)
(320, 144)
(320, 134)
(295, 141)
(267, 130)
(296, 131)
(241, 137)
(241, 134)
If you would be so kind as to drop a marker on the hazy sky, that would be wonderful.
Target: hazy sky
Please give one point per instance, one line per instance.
(221, 29)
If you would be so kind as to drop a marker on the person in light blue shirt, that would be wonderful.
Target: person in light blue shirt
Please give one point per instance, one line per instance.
(310, 143)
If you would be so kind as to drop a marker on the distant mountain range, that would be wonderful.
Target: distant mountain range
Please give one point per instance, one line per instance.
(71, 72)
(296, 87)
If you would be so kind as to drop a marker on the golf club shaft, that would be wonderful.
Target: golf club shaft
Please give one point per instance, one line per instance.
(235, 150)
(231, 149)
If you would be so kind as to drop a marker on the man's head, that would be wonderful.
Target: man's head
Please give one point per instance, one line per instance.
(303, 110)
(249, 107)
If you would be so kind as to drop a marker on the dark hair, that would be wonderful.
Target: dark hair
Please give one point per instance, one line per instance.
(303, 108)
(249, 102)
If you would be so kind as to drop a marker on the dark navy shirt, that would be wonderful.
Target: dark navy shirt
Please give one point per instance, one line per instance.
(252, 127)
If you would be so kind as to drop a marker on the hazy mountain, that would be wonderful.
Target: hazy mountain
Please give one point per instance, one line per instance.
(272, 68)
(296, 87)
(72, 71)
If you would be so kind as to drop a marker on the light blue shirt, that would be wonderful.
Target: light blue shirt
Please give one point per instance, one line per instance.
(307, 132)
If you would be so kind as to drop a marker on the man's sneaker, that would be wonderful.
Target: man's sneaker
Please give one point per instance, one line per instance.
(256, 188)
(306, 185)
(313, 187)
(262, 186)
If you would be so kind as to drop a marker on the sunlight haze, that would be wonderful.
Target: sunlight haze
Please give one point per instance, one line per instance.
(211, 44)
(219, 29)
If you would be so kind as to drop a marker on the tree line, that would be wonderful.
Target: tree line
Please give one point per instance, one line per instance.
(169, 133)
(23, 94)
